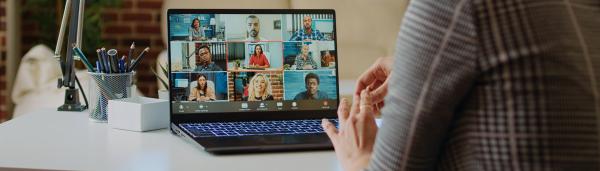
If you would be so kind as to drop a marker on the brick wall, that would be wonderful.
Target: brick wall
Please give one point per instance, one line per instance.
(3, 91)
(134, 21)
(137, 21)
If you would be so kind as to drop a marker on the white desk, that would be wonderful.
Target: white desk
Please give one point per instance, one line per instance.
(68, 141)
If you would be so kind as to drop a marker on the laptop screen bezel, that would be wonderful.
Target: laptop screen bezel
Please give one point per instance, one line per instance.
(253, 115)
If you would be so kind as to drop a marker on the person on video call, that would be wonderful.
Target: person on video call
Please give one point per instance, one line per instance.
(259, 88)
(204, 60)
(304, 60)
(258, 59)
(327, 59)
(480, 85)
(253, 29)
(202, 92)
(196, 32)
(311, 82)
(308, 33)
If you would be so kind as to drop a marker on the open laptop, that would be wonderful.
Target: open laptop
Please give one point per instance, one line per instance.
(219, 104)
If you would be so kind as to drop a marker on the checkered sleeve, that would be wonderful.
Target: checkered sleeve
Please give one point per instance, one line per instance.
(435, 65)
(296, 36)
(494, 85)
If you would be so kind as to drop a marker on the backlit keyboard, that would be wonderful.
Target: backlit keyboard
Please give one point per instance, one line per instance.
(221, 129)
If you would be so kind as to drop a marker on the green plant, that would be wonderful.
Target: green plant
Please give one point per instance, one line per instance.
(238, 63)
(47, 16)
(165, 72)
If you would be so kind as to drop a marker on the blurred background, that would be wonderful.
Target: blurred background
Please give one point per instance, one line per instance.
(366, 30)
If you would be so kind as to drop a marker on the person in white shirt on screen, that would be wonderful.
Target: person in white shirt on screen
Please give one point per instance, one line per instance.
(202, 92)
(253, 29)
(196, 31)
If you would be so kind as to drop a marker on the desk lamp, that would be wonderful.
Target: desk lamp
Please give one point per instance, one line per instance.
(71, 102)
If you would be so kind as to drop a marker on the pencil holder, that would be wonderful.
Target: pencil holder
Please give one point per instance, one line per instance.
(104, 87)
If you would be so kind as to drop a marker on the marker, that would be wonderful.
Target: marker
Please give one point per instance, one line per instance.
(112, 58)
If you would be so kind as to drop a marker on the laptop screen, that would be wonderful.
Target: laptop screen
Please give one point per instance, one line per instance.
(224, 63)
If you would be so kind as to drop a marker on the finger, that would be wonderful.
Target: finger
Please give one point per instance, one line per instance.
(364, 118)
(365, 79)
(380, 92)
(330, 130)
(343, 111)
(366, 105)
(355, 105)
(369, 76)
(349, 134)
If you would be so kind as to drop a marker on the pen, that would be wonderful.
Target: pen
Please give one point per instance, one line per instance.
(122, 66)
(138, 59)
(100, 61)
(98, 66)
(84, 59)
(105, 62)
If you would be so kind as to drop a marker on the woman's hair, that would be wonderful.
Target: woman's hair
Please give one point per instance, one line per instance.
(268, 90)
(194, 20)
(261, 50)
(205, 83)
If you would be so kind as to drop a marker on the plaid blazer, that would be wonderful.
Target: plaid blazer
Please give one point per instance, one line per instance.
(494, 85)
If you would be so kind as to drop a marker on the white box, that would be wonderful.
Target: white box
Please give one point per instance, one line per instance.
(138, 114)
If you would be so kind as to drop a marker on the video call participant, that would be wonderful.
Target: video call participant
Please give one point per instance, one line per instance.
(202, 92)
(259, 89)
(311, 82)
(327, 58)
(258, 59)
(308, 33)
(304, 60)
(253, 29)
(204, 60)
(196, 32)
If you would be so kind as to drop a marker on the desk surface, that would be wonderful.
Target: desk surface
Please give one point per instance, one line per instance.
(68, 141)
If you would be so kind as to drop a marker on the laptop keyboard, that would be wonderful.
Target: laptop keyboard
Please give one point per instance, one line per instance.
(224, 129)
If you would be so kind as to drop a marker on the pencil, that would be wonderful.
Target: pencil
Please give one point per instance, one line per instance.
(84, 59)
(130, 55)
(139, 59)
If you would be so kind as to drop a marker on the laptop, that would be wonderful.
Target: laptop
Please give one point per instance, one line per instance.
(223, 108)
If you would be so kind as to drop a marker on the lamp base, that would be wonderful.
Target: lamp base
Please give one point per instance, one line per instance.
(72, 101)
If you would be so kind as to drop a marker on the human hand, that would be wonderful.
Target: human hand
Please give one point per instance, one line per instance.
(353, 142)
(307, 67)
(376, 77)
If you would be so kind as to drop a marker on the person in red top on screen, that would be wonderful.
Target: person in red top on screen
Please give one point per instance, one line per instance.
(258, 58)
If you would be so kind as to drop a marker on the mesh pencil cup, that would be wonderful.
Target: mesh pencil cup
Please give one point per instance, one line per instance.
(104, 87)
